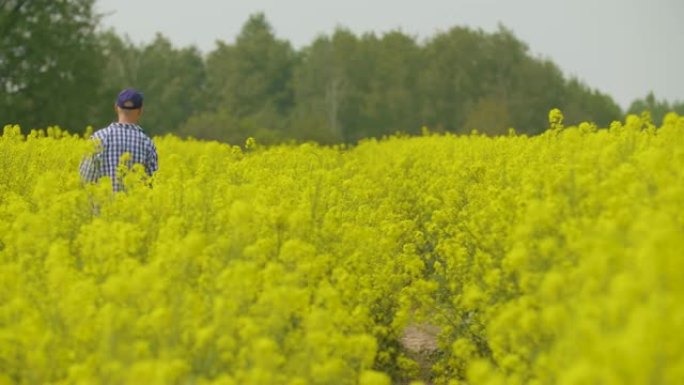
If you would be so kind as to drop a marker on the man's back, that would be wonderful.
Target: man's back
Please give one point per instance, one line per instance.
(119, 138)
(114, 141)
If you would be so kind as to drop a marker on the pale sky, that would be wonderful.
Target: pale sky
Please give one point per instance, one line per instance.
(625, 48)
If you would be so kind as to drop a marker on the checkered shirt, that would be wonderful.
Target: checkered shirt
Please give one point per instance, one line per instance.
(114, 141)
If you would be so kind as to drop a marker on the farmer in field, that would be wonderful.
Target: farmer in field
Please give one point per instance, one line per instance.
(122, 137)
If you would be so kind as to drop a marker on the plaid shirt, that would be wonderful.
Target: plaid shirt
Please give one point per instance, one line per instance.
(114, 141)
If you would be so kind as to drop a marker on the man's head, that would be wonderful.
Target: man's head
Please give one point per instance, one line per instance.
(129, 105)
(130, 99)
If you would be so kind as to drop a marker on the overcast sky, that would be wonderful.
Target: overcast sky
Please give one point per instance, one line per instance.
(625, 48)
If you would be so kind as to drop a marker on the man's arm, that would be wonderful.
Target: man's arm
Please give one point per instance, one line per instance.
(90, 167)
(152, 162)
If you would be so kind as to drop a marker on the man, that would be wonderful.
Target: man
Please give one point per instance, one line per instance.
(122, 137)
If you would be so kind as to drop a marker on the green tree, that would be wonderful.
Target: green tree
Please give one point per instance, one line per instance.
(50, 62)
(349, 87)
(538, 87)
(657, 108)
(323, 87)
(490, 82)
(389, 98)
(582, 103)
(489, 115)
(250, 81)
(171, 79)
(529, 86)
(121, 66)
(454, 77)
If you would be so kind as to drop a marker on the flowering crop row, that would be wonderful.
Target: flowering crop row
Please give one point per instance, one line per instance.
(553, 259)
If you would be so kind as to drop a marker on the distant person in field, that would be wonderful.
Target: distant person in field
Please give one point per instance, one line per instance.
(119, 138)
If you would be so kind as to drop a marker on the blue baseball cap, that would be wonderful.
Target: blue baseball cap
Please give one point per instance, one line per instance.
(130, 99)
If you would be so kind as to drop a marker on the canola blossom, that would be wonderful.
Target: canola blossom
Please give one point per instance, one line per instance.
(553, 259)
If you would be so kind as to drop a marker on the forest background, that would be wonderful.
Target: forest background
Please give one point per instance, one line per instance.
(59, 67)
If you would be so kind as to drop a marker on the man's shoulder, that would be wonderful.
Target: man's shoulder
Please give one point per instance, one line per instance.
(102, 131)
(122, 130)
(119, 127)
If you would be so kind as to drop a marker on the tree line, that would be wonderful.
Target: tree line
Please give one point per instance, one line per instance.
(58, 67)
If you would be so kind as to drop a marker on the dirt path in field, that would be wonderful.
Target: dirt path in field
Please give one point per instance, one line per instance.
(420, 344)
